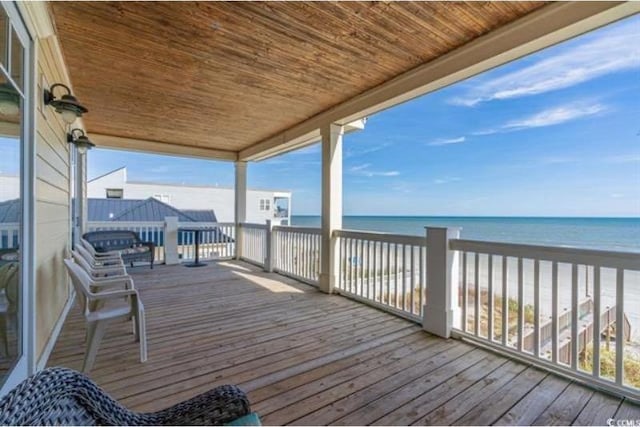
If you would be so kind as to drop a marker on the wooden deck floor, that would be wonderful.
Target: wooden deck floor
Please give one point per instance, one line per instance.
(308, 358)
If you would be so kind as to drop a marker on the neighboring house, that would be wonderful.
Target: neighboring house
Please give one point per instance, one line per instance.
(150, 209)
(9, 187)
(261, 204)
(10, 217)
(10, 211)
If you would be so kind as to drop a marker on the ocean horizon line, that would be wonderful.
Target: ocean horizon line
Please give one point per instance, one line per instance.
(473, 216)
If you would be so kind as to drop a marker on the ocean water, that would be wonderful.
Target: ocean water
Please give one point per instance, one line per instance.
(614, 234)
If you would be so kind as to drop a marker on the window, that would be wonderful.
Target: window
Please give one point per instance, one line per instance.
(265, 204)
(114, 193)
(14, 197)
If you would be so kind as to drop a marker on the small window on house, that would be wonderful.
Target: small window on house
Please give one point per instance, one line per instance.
(114, 193)
(265, 204)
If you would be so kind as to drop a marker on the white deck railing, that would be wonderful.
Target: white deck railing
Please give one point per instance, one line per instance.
(217, 241)
(149, 231)
(296, 253)
(387, 270)
(554, 306)
(254, 243)
(9, 235)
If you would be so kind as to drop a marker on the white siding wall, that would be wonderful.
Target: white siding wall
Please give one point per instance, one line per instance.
(52, 202)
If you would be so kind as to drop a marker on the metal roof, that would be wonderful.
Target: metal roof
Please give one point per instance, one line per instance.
(149, 209)
(10, 211)
(201, 215)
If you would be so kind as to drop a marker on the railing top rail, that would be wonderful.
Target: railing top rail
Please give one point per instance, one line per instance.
(203, 224)
(305, 230)
(612, 259)
(382, 237)
(253, 225)
(9, 224)
(125, 224)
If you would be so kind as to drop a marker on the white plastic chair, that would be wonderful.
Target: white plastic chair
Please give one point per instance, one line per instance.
(102, 280)
(112, 257)
(97, 269)
(99, 316)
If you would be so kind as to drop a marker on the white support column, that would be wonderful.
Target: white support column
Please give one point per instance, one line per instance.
(331, 203)
(171, 256)
(240, 203)
(441, 308)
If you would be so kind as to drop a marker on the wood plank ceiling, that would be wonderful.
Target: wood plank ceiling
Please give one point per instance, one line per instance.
(227, 75)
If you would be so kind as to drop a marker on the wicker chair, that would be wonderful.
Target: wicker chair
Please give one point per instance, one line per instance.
(60, 396)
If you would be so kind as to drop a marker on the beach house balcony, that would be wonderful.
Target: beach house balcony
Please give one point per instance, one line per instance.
(318, 325)
(307, 358)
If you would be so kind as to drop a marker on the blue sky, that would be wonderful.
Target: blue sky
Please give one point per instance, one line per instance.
(554, 134)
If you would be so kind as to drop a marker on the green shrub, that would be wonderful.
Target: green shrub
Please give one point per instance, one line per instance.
(608, 365)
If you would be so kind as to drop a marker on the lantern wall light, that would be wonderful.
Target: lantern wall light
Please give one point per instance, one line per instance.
(81, 141)
(67, 105)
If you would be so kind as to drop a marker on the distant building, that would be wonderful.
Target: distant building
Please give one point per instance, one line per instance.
(9, 187)
(151, 209)
(261, 204)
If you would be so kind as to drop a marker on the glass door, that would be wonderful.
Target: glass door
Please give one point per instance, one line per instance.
(14, 198)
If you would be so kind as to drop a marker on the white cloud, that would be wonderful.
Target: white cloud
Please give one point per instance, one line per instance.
(163, 169)
(367, 150)
(559, 160)
(363, 170)
(359, 167)
(554, 116)
(447, 141)
(549, 117)
(616, 195)
(604, 52)
(485, 132)
(446, 180)
(624, 158)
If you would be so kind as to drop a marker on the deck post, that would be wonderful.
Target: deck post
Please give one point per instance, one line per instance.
(81, 195)
(240, 202)
(171, 256)
(331, 204)
(269, 248)
(441, 308)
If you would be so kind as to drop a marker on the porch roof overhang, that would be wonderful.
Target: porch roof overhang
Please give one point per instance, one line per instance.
(245, 81)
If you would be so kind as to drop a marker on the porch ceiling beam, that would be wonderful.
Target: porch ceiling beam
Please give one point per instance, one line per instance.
(157, 147)
(545, 27)
(290, 144)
